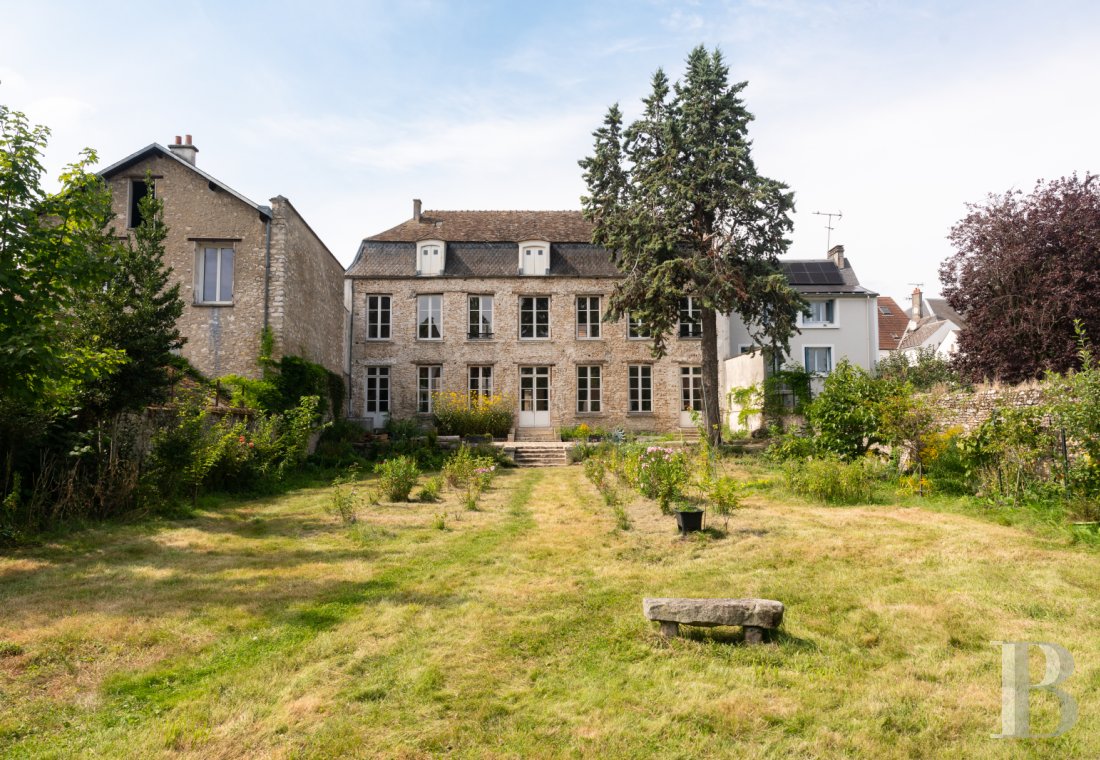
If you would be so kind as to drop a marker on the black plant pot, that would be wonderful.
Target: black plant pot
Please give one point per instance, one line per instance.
(689, 522)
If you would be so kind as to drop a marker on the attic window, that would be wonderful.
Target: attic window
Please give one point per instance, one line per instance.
(430, 258)
(139, 188)
(534, 258)
(885, 311)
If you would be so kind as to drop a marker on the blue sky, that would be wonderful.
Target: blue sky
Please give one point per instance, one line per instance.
(896, 114)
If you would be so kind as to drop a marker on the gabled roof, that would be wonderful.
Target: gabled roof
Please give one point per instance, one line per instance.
(156, 149)
(892, 323)
(491, 227)
(940, 309)
(926, 329)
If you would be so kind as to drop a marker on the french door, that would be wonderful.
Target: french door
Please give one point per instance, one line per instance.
(534, 397)
(691, 393)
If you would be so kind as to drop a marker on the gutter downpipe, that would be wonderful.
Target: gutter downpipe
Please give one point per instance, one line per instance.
(351, 341)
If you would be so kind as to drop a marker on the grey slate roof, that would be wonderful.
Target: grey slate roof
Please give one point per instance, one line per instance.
(925, 330)
(942, 310)
(383, 259)
(491, 227)
(156, 149)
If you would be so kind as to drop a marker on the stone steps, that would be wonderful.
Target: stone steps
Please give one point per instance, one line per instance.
(539, 456)
(538, 435)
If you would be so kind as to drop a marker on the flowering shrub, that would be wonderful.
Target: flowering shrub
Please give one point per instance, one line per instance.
(472, 474)
(662, 475)
(472, 414)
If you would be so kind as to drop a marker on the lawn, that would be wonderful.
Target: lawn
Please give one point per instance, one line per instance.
(267, 628)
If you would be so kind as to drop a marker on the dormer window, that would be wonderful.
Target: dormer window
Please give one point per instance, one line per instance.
(534, 258)
(430, 258)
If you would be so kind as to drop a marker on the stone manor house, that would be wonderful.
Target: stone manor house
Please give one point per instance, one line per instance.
(508, 302)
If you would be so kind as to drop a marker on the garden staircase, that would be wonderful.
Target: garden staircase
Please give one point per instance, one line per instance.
(538, 454)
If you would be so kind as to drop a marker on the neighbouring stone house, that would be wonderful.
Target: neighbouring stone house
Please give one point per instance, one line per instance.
(241, 266)
(842, 323)
(508, 302)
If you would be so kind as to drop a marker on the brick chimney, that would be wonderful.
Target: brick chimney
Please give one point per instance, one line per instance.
(416, 209)
(918, 304)
(184, 149)
(836, 255)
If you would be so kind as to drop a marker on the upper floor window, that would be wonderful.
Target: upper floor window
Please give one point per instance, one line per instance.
(215, 274)
(588, 317)
(534, 257)
(139, 188)
(534, 317)
(429, 317)
(481, 317)
(821, 313)
(635, 328)
(691, 322)
(430, 257)
(378, 317)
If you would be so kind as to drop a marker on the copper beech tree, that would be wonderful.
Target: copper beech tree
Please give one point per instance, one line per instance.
(1026, 268)
(677, 200)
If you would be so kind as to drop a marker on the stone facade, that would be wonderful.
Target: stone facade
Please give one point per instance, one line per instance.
(563, 352)
(299, 297)
(483, 256)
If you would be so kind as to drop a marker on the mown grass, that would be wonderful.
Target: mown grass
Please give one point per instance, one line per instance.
(268, 628)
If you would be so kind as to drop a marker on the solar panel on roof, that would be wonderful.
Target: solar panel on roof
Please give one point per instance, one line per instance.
(812, 273)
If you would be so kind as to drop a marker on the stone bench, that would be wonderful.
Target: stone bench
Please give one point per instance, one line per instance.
(753, 615)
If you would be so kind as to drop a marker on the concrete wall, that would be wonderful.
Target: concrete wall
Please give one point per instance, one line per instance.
(307, 291)
(506, 353)
(220, 339)
(742, 371)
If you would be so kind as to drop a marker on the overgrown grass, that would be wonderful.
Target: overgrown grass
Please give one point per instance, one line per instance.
(269, 628)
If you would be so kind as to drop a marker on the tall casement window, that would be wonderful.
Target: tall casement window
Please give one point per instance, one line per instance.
(635, 328)
(822, 314)
(589, 390)
(430, 258)
(588, 317)
(691, 322)
(139, 188)
(378, 390)
(427, 385)
(640, 380)
(378, 317)
(819, 359)
(481, 380)
(481, 317)
(215, 274)
(429, 317)
(534, 317)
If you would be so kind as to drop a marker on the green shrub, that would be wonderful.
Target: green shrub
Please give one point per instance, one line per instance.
(791, 445)
(596, 470)
(833, 481)
(397, 477)
(724, 495)
(430, 489)
(472, 414)
(662, 474)
(470, 473)
(846, 416)
(582, 432)
(344, 499)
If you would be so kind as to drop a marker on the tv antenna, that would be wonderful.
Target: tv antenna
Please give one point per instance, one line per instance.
(829, 226)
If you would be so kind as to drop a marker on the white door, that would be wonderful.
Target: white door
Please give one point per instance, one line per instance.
(534, 397)
(691, 394)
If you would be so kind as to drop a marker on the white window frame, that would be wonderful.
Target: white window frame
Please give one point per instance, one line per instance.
(534, 318)
(592, 402)
(378, 373)
(483, 386)
(470, 326)
(635, 329)
(634, 377)
(531, 253)
(589, 325)
(374, 317)
(431, 258)
(810, 323)
(806, 363)
(435, 316)
(693, 307)
(429, 381)
(200, 272)
(693, 373)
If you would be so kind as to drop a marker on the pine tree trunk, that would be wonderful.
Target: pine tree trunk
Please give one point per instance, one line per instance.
(712, 415)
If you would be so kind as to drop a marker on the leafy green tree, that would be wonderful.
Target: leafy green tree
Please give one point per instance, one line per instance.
(53, 251)
(677, 200)
(136, 313)
(847, 417)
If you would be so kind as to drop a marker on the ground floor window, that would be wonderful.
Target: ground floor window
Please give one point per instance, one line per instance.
(819, 359)
(588, 389)
(428, 384)
(378, 390)
(640, 378)
(691, 389)
(481, 380)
